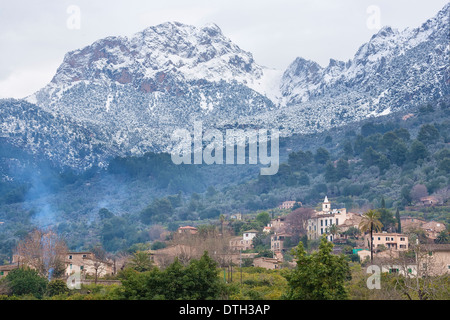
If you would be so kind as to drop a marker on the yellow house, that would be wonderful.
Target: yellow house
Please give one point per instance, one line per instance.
(393, 241)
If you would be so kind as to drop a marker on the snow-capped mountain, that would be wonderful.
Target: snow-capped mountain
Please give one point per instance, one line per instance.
(393, 70)
(128, 94)
(136, 91)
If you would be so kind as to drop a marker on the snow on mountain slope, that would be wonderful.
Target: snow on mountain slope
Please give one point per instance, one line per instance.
(393, 71)
(130, 94)
(143, 60)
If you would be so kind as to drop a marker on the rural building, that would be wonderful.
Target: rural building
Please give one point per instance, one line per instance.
(288, 204)
(87, 263)
(321, 221)
(187, 230)
(5, 269)
(393, 241)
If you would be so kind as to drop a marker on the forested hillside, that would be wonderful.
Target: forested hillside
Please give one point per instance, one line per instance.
(396, 159)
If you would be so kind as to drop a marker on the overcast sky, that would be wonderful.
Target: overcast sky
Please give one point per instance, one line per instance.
(35, 35)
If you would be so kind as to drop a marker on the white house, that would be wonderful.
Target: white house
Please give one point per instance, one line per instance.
(249, 235)
(321, 221)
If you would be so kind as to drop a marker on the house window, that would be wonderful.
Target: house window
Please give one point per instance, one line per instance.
(81, 267)
(393, 270)
(337, 221)
(70, 266)
(387, 238)
(84, 256)
(70, 257)
(326, 222)
(1, 273)
(379, 238)
(402, 239)
(321, 223)
(321, 230)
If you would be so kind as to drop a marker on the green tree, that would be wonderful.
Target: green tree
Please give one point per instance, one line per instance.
(300, 159)
(444, 165)
(157, 211)
(342, 169)
(322, 156)
(24, 281)
(263, 218)
(370, 222)
(428, 133)
(318, 276)
(141, 261)
(56, 287)
(303, 179)
(399, 222)
(197, 281)
(406, 195)
(204, 282)
(443, 237)
(348, 149)
(330, 172)
(370, 157)
(398, 152)
(417, 151)
(386, 218)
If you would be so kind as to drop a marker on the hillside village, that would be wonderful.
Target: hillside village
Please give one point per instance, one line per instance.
(269, 246)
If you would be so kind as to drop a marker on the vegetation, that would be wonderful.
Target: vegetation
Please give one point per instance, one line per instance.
(370, 222)
(318, 276)
(384, 168)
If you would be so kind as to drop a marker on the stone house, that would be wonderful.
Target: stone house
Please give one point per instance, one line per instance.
(288, 204)
(5, 269)
(277, 241)
(278, 224)
(245, 242)
(439, 255)
(86, 263)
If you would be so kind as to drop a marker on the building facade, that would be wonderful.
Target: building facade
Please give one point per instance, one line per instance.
(393, 241)
(321, 221)
(86, 263)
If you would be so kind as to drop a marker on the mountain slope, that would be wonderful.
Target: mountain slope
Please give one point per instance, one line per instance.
(129, 94)
(392, 71)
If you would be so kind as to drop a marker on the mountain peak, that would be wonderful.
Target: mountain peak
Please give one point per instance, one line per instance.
(212, 29)
(170, 47)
